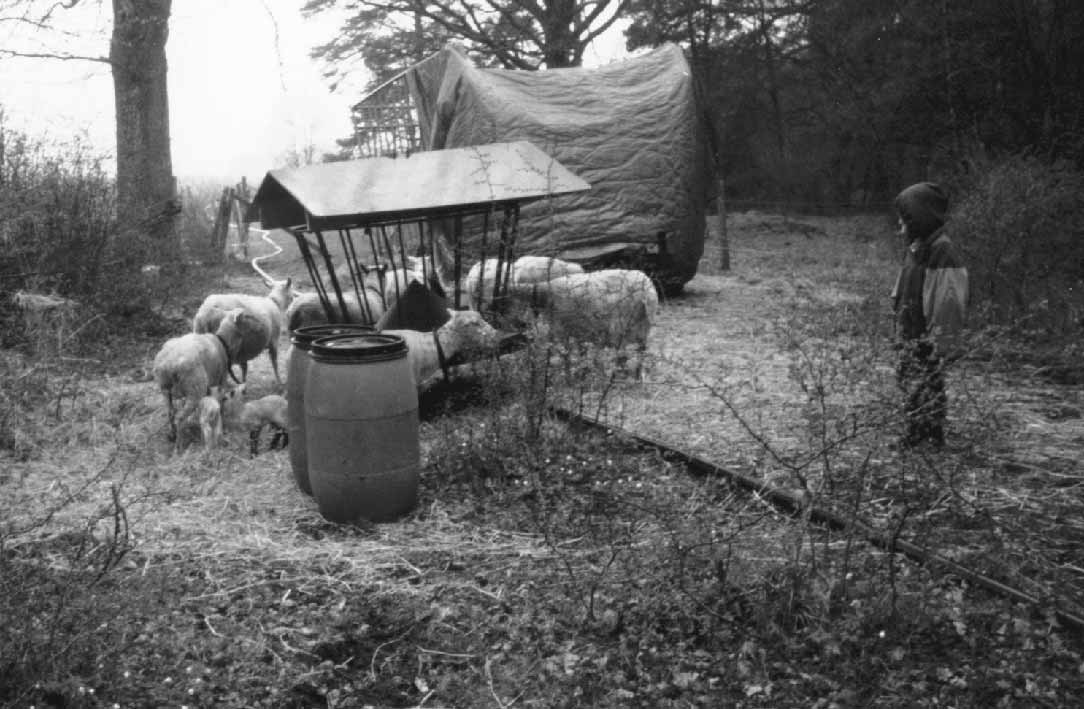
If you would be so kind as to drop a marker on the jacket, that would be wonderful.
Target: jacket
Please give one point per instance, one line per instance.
(931, 293)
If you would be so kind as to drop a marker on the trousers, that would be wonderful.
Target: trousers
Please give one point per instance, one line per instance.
(921, 378)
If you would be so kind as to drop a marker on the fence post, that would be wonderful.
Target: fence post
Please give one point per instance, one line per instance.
(240, 203)
(222, 224)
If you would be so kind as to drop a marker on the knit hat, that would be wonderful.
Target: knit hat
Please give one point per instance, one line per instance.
(922, 207)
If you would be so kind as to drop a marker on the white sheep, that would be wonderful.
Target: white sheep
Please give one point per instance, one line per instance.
(270, 411)
(613, 308)
(189, 365)
(252, 416)
(261, 332)
(525, 270)
(306, 308)
(465, 334)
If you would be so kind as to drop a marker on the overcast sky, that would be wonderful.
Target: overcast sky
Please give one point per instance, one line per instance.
(242, 88)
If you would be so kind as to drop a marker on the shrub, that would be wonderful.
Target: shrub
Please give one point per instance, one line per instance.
(56, 215)
(1020, 224)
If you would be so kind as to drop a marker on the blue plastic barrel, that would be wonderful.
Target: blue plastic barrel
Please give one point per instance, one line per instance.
(361, 428)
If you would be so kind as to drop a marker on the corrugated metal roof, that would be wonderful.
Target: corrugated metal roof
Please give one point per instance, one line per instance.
(434, 183)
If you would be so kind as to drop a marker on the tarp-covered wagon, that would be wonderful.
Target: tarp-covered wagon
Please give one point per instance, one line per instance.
(631, 128)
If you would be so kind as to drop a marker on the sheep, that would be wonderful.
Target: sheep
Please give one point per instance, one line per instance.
(391, 283)
(465, 334)
(261, 332)
(525, 270)
(306, 309)
(420, 269)
(189, 365)
(210, 419)
(611, 308)
(252, 416)
(269, 410)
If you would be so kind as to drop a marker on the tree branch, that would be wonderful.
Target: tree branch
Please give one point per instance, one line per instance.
(53, 55)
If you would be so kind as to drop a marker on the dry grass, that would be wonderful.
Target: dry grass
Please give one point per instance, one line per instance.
(480, 570)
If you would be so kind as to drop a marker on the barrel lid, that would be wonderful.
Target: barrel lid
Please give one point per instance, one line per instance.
(358, 346)
(304, 336)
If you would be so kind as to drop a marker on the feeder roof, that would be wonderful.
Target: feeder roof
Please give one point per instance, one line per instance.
(428, 184)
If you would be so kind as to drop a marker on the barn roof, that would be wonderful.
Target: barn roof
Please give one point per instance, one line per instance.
(384, 189)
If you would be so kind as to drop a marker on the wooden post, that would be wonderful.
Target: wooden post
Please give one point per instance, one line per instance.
(222, 224)
(241, 202)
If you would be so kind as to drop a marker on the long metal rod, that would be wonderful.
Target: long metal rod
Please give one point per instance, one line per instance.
(314, 274)
(511, 215)
(502, 263)
(481, 289)
(356, 273)
(391, 260)
(795, 505)
(332, 277)
(457, 234)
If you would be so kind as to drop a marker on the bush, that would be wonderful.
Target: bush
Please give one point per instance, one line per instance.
(1020, 224)
(56, 215)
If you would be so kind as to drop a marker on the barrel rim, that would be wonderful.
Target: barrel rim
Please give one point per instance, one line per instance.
(305, 335)
(366, 347)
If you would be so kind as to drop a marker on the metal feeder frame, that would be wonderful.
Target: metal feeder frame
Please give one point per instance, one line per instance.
(394, 207)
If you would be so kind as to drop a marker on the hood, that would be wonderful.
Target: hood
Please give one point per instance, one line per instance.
(922, 207)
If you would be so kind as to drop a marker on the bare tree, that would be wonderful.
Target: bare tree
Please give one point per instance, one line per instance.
(524, 34)
(146, 189)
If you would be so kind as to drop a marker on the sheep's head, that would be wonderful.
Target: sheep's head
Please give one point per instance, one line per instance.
(282, 293)
(226, 393)
(230, 329)
(466, 332)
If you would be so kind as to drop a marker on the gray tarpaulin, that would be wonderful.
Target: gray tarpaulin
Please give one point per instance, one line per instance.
(629, 128)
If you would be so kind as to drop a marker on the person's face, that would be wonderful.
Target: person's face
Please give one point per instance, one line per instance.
(902, 229)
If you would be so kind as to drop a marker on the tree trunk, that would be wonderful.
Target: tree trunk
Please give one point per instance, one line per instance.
(146, 188)
(560, 42)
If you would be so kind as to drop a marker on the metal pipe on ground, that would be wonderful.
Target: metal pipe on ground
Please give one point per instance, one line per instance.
(796, 504)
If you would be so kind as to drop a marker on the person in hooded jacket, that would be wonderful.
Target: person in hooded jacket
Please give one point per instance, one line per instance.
(930, 303)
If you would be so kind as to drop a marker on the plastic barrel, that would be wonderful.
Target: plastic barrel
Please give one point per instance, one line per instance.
(296, 371)
(361, 428)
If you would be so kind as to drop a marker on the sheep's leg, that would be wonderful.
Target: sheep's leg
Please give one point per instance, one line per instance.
(254, 442)
(170, 415)
(183, 417)
(281, 439)
(638, 366)
(273, 353)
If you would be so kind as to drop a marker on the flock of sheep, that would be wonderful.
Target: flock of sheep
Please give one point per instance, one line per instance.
(610, 308)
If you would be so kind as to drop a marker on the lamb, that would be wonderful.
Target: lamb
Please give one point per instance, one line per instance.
(210, 419)
(261, 332)
(252, 416)
(270, 411)
(465, 334)
(189, 365)
(306, 309)
(525, 270)
(611, 308)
